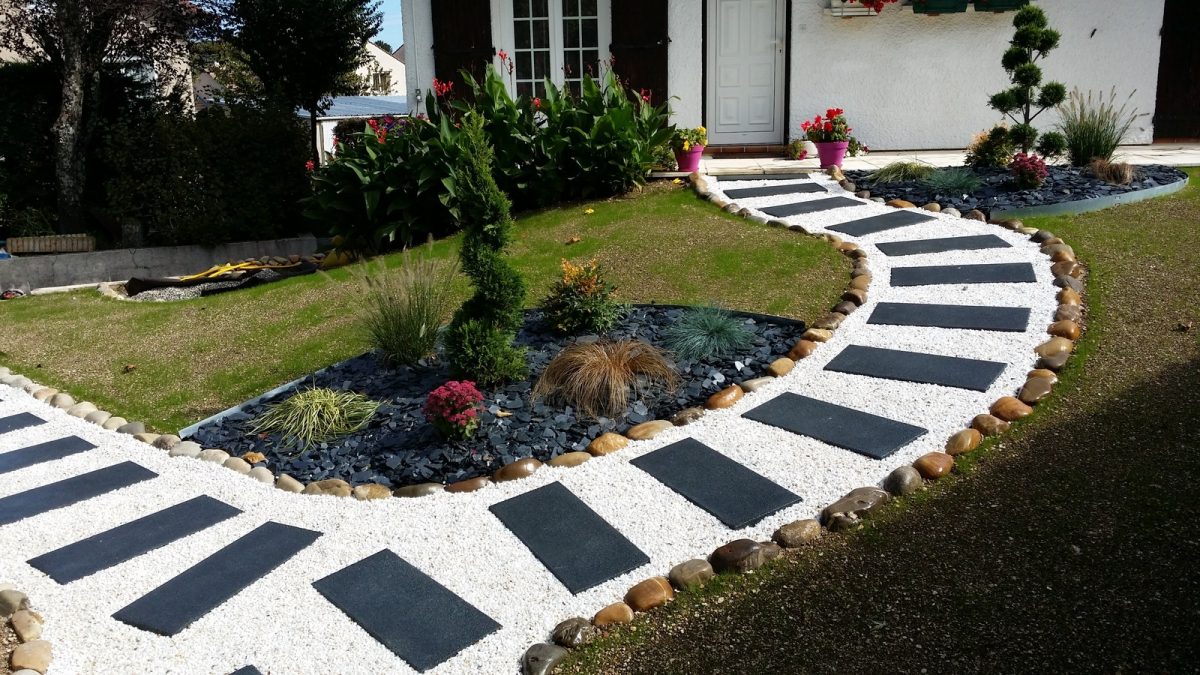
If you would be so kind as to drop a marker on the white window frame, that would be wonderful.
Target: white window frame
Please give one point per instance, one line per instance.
(503, 36)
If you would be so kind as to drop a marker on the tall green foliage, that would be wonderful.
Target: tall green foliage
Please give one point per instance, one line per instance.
(1028, 97)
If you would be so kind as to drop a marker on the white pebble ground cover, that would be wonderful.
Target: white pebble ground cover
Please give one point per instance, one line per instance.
(282, 625)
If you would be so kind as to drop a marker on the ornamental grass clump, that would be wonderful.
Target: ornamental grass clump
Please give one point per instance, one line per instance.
(956, 180)
(1094, 127)
(703, 332)
(898, 172)
(597, 378)
(1115, 173)
(404, 308)
(453, 409)
(316, 416)
(581, 301)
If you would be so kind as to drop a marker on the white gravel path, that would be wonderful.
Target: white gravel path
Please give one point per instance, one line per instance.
(282, 625)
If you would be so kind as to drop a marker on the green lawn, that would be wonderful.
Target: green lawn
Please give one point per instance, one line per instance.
(191, 359)
(1068, 544)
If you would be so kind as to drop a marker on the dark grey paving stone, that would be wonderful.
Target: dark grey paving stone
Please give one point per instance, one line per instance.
(996, 273)
(71, 491)
(773, 190)
(42, 452)
(178, 603)
(855, 430)
(19, 421)
(762, 176)
(893, 364)
(132, 539)
(414, 616)
(247, 670)
(1007, 319)
(736, 495)
(919, 246)
(813, 206)
(887, 221)
(570, 539)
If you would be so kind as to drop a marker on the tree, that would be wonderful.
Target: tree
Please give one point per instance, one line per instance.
(384, 45)
(304, 51)
(78, 37)
(1028, 97)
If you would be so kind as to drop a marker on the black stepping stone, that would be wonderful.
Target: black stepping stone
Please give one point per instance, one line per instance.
(762, 176)
(997, 273)
(42, 452)
(414, 616)
(71, 491)
(247, 670)
(773, 190)
(178, 603)
(919, 246)
(132, 539)
(886, 221)
(1008, 319)
(864, 433)
(570, 539)
(733, 493)
(813, 206)
(19, 421)
(893, 364)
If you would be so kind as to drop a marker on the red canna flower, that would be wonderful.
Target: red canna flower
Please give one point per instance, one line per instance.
(309, 166)
(537, 103)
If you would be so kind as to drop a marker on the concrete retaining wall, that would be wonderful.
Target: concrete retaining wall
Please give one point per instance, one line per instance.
(117, 265)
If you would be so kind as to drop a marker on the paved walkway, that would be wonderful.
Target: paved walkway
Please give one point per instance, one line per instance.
(1168, 154)
(144, 563)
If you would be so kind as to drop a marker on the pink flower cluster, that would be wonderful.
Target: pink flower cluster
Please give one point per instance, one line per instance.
(1029, 171)
(454, 407)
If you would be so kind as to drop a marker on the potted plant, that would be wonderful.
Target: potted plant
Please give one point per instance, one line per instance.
(999, 5)
(849, 8)
(688, 145)
(935, 7)
(831, 135)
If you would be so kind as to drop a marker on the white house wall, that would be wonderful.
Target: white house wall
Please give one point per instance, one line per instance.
(685, 60)
(418, 50)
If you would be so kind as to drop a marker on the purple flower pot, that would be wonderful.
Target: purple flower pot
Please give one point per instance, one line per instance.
(689, 160)
(832, 153)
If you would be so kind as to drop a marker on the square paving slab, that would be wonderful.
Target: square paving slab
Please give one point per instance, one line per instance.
(132, 539)
(883, 222)
(71, 491)
(178, 603)
(414, 616)
(862, 432)
(247, 670)
(19, 421)
(893, 364)
(762, 176)
(919, 246)
(773, 190)
(570, 539)
(736, 495)
(813, 206)
(42, 452)
(1007, 319)
(996, 273)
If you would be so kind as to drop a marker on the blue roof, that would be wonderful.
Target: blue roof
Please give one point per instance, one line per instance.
(367, 106)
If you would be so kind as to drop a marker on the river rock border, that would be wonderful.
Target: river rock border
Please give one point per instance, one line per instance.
(32, 654)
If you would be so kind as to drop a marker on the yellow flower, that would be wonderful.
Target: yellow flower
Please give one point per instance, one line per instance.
(686, 146)
(702, 130)
(589, 211)
(677, 182)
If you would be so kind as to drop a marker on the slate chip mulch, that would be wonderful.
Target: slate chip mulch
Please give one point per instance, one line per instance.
(400, 448)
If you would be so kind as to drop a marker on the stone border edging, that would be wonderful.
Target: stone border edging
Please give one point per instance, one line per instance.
(32, 653)
(1094, 204)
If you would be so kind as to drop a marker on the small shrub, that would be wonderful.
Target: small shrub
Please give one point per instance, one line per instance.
(453, 409)
(1028, 96)
(957, 180)
(1052, 145)
(1093, 127)
(796, 149)
(316, 416)
(706, 331)
(404, 308)
(484, 352)
(1029, 171)
(597, 378)
(902, 171)
(581, 301)
(991, 149)
(1116, 173)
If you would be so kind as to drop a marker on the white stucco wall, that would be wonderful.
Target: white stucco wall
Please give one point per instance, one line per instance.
(418, 51)
(383, 61)
(685, 61)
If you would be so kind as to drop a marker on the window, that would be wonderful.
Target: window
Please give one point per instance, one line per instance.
(557, 39)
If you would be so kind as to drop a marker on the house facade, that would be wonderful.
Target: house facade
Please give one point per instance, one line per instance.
(752, 70)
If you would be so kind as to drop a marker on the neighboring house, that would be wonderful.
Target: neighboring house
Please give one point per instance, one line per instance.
(399, 54)
(752, 70)
(350, 107)
(383, 74)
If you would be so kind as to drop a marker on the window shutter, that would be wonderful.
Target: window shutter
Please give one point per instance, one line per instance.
(462, 40)
(639, 46)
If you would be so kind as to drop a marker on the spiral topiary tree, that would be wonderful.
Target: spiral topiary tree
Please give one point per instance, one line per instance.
(1028, 97)
(479, 340)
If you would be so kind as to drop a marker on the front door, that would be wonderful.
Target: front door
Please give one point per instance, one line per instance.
(744, 101)
(1177, 112)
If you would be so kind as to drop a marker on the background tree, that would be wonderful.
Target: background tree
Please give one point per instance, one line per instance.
(304, 51)
(384, 45)
(1028, 97)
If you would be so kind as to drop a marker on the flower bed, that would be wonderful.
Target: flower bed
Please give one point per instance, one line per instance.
(400, 447)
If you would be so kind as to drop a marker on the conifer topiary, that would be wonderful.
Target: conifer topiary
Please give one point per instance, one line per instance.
(1028, 97)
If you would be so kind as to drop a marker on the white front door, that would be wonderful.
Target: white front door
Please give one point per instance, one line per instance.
(746, 40)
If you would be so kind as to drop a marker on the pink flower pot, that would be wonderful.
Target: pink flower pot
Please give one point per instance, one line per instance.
(689, 160)
(832, 153)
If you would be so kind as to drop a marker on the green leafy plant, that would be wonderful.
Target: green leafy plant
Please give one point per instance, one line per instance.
(581, 300)
(796, 150)
(955, 180)
(991, 149)
(405, 307)
(1093, 126)
(315, 416)
(687, 138)
(902, 171)
(1028, 97)
(703, 332)
(597, 378)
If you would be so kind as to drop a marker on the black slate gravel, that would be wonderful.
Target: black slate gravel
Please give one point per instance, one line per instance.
(401, 448)
(999, 193)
